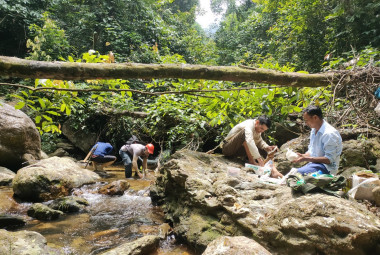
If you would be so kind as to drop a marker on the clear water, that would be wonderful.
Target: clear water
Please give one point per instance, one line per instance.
(106, 223)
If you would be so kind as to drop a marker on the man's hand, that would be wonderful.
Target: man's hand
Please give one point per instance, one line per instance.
(260, 161)
(301, 158)
(272, 148)
(306, 157)
(144, 174)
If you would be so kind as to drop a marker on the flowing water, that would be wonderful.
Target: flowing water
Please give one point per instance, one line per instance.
(107, 222)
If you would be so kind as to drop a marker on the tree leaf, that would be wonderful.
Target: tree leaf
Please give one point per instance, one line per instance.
(19, 105)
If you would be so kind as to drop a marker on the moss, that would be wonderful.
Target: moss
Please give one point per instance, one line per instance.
(209, 236)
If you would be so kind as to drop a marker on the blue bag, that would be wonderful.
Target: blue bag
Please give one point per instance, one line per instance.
(377, 93)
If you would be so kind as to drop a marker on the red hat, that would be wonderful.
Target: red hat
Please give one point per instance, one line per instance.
(150, 148)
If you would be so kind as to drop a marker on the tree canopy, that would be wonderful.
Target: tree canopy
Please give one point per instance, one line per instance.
(190, 85)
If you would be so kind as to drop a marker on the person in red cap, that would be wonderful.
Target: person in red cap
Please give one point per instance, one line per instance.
(130, 154)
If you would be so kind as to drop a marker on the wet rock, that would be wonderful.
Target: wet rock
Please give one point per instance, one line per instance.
(50, 178)
(20, 140)
(24, 242)
(115, 188)
(204, 203)
(164, 230)
(6, 176)
(43, 212)
(141, 246)
(104, 233)
(69, 204)
(241, 245)
(11, 221)
(101, 173)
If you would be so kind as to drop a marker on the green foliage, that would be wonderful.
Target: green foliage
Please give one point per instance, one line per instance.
(298, 32)
(15, 17)
(281, 35)
(49, 142)
(49, 42)
(351, 59)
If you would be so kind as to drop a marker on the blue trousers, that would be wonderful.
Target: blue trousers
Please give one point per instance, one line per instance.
(312, 167)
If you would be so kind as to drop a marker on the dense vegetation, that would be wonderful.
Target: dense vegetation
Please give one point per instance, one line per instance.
(292, 35)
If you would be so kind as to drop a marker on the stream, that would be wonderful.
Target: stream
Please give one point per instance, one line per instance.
(107, 222)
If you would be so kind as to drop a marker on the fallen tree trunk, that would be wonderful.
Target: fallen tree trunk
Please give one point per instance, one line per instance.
(20, 68)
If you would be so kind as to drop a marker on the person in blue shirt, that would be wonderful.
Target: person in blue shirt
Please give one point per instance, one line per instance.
(102, 157)
(325, 145)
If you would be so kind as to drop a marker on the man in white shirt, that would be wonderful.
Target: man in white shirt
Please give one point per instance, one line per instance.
(325, 144)
(245, 138)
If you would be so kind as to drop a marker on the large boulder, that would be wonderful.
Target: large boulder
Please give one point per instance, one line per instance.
(9, 221)
(69, 204)
(144, 245)
(115, 188)
(43, 212)
(361, 152)
(6, 176)
(204, 203)
(82, 139)
(20, 140)
(241, 245)
(50, 178)
(24, 243)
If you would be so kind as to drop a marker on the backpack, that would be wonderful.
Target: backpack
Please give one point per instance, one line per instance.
(324, 183)
(134, 139)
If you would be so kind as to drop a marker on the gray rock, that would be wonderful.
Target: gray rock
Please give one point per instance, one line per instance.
(80, 138)
(59, 153)
(204, 203)
(25, 243)
(360, 152)
(20, 140)
(241, 245)
(50, 178)
(141, 246)
(11, 221)
(349, 171)
(69, 204)
(6, 176)
(43, 212)
(115, 188)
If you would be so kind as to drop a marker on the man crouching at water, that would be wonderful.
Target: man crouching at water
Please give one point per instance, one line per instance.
(130, 154)
(244, 140)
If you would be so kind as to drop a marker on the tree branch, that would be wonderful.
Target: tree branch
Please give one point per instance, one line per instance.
(21, 68)
(189, 92)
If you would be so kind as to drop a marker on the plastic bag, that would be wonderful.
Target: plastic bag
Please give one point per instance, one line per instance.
(265, 170)
(233, 171)
(363, 184)
(291, 155)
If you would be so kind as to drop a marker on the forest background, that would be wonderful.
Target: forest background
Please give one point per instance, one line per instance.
(289, 36)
